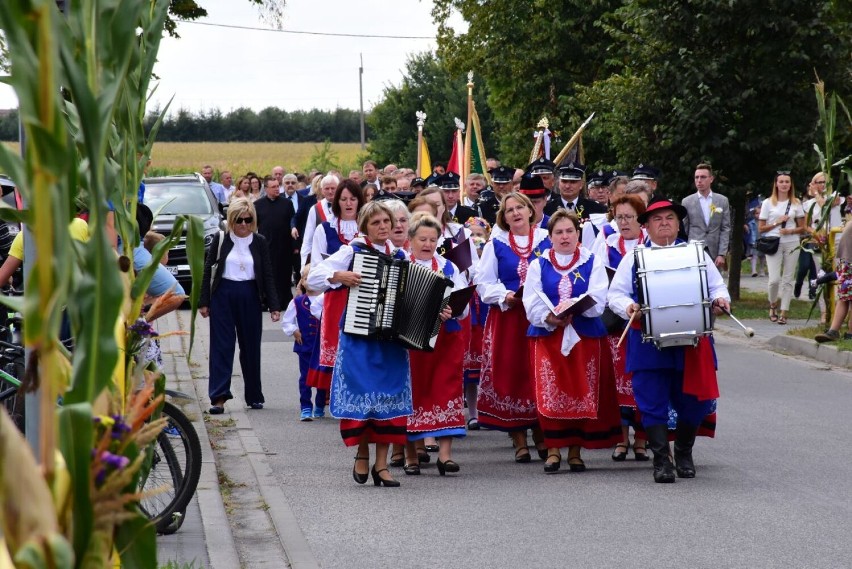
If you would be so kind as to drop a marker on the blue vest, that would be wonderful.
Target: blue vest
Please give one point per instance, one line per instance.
(613, 254)
(550, 277)
(507, 262)
(307, 322)
(332, 239)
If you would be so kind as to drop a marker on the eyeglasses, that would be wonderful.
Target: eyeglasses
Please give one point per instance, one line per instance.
(623, 218)
(245, 220)
(517, 208)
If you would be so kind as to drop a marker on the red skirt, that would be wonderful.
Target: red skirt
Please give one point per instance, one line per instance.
(388, 431)
(575, 395)
(506, 390)
(473, 353)
(436, 389)
(332, 311)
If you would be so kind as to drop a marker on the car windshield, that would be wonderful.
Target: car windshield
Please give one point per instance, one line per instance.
(176, 199)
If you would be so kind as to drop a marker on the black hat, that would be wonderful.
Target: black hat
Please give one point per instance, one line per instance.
(657, 205)
(599, 178)
(572, 171)
(644, 172)
(449, 181)
(432, 180)
(541, 166)
(502, 175)
(418, 182)
(617, 174)
(532, 187)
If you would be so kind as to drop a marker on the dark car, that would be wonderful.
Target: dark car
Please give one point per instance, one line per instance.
(170, 196)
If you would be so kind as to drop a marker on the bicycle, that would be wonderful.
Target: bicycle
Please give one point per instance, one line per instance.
(175, 464)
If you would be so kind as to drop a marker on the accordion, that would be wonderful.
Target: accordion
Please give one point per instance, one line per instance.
(396, 300)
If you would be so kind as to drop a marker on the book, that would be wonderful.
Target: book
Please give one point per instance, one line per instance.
(581, 304)
(460, 255)
(460, 298)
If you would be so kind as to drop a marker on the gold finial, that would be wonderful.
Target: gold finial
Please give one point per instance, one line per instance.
(543, 123)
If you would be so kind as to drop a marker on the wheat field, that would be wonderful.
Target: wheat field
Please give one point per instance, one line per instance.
(259, 157)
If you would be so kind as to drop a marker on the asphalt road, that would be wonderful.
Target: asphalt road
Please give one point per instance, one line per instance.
(773, 488)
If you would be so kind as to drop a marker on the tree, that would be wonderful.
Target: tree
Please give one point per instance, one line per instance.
(270, 10)
(738, 94)
(427, 86)
(532, 56)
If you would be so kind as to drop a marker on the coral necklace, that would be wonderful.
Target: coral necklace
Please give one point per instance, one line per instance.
(370, 244)
(622, 249)
(434, 262)
(523, 253)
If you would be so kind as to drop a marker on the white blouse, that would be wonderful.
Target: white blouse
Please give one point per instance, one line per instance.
(322, 272)
(771, 213)
(311, 226)
(239, 265)
(491, 290)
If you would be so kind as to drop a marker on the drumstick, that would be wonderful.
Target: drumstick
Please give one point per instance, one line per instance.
(749, 332)
(626, 328)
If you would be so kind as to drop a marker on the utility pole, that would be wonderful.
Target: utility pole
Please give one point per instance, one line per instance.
(361, 96)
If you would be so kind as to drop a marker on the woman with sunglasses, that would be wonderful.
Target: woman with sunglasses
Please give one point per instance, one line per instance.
(782, 216)
(241, 286)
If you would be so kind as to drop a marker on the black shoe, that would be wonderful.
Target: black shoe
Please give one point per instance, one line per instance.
(576, 464)
(411, 469)
(619, 456)
(423, 457)
(360, 478)
(684, 440)
(397, 462)
(522, 455)
(431, 448)
(257, 406)
(640, 454)
(216, 409)
(551, 467)
(473, 424)
(444, 467)
(379, 481)
(658, 442)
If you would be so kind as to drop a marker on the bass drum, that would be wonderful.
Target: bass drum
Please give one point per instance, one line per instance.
(673, 294)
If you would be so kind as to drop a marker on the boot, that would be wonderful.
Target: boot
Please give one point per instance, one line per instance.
(658, 442)
(684, 439)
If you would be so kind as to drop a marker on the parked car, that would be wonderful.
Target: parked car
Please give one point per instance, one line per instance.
(170, 196)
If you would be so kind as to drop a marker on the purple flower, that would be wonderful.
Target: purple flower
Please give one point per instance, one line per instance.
(143, 328)
(117, 461)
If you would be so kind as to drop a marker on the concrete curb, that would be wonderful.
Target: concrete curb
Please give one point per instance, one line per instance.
(825, 353)
(219, 541)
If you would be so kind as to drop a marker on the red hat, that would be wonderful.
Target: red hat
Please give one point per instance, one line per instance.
(660, 205)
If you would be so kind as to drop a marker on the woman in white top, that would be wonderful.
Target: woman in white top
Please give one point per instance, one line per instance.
(782, 216)
(318, 214)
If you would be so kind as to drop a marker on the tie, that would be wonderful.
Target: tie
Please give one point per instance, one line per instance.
(570, 206)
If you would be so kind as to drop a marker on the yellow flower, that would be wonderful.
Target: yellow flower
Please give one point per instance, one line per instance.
(714, 209)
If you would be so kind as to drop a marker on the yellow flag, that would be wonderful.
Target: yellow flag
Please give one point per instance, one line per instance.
(425, 161)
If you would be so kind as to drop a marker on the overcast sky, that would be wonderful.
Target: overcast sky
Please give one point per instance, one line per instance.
(216, 67)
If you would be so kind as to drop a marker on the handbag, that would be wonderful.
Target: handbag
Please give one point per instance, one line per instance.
(767, 245)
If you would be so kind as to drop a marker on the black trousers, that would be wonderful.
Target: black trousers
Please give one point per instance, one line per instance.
(235, 317)
(806, 265)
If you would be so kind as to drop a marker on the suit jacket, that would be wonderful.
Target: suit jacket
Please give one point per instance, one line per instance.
(262, 270)
(584, 206)
(301, 218)
(716, 236)
(463, 213)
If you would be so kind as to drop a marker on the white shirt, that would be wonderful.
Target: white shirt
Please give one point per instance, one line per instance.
(621, 287)
(834, 219)
(239, 265)
(491, 290)
(289, 322)
(310, 228)
(321, 273)
(705, 203)
(602, 244)
(771, 213)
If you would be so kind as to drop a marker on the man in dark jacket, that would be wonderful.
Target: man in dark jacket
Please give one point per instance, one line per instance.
(274, 213)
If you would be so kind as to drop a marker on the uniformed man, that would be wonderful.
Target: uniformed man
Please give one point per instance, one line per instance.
(649, 175)
(501, 183)
(449, 184)
(543, 168)
(569, 197)
(597, 187)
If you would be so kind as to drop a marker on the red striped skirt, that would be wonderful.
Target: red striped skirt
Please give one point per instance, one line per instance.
(389, 431)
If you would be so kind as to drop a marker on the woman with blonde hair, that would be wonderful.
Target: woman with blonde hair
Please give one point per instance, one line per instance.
(234, 299)
(782, 217)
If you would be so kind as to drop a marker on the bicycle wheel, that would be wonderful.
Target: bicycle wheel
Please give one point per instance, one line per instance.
(184, 453)
(162, 483)
(12, 399)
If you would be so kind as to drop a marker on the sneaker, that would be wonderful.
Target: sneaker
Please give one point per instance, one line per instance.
(754, 274)
(847, 336)
(827, 336)
(319, 412)
(255, 405)
(306, 415)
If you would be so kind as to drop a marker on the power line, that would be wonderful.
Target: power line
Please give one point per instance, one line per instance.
(305, 33)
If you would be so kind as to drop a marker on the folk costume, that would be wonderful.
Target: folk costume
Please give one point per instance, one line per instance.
(371, 382)
(574, 388)
(473, 355)
(680, 377)
(435, 376)
(303, 314)
(506, 398)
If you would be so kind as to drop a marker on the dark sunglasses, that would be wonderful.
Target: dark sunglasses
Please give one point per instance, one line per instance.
(245, 220)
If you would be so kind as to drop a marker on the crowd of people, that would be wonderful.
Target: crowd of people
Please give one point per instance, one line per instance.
(518, 358)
